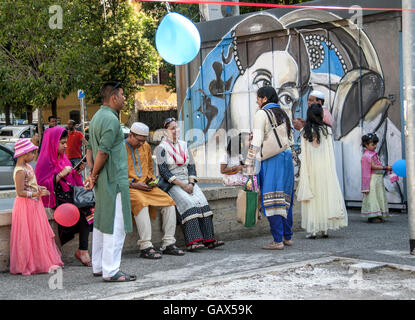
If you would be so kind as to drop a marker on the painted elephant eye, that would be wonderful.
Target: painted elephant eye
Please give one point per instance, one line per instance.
(262, 78)
(286, 99)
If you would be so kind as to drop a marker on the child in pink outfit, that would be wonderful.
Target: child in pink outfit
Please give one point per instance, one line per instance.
(32, 241)
(374, 204)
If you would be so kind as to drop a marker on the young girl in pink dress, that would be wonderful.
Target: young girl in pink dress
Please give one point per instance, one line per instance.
(32, 244)
(375, 202)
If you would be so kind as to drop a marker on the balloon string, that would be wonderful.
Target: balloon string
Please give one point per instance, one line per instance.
(270, 5)
(105, 11)
(167, 6)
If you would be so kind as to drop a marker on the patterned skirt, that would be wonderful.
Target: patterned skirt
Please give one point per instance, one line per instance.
(375, 203)
(276, 180)
(195, 215)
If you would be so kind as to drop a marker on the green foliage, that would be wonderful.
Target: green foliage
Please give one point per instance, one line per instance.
(158, 10)
(38, 63)
(129, 55)
(243, 10)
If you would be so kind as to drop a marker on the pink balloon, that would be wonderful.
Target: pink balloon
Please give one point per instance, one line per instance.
(66, 215)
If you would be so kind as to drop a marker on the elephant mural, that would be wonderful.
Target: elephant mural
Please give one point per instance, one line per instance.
(295, 53)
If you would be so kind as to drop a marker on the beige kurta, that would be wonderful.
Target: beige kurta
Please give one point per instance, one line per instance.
(322, 203)
(140, 199)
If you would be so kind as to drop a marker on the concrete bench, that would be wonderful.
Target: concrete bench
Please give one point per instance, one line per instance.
(222, 201)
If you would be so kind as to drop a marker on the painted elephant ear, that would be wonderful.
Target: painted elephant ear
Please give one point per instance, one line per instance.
(297, 49)
(340, 64)
(248, 46)
(357, 92)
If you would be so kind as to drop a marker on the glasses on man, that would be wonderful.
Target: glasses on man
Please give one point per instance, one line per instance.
(167, 121)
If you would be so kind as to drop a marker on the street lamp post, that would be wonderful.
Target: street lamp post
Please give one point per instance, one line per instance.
(408, 48)
(81, 97)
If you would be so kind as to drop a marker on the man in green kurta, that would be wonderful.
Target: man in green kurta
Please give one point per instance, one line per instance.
(107, 160)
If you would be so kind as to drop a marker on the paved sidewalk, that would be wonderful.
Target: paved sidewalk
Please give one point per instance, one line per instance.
(387, 242)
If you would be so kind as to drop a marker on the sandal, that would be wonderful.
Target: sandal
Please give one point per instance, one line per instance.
(173, 250)
(194, 246)
(214, 244)
(274, 246)
(97, 274)
(81, 254)
(288, 242)
(150, 253)
(118, 275)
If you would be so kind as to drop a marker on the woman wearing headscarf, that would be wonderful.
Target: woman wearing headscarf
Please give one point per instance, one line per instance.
(177, 167)
(276, 174)
(54, 171)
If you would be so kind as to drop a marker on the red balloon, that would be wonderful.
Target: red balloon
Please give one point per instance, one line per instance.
(66, 214)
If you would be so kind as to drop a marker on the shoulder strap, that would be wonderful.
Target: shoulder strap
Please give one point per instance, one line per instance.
(274, 125)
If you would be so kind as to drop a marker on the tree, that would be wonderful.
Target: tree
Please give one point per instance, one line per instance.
(158, 10)
(244, 10)
(128, 53)
(41, 60)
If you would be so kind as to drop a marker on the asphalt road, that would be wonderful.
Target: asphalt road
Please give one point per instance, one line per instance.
(387, 242)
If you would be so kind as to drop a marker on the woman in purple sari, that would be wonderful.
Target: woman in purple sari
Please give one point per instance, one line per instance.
(54, 171)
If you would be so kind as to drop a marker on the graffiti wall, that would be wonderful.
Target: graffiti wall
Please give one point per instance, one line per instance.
(296, 51)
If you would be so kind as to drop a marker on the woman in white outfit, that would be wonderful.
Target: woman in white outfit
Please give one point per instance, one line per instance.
(322, 203)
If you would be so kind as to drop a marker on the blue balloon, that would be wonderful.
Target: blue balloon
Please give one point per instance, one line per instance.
(399, 167)
(177, 39)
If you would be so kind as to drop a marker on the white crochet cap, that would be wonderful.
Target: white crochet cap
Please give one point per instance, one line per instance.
(139, 128)
(317, 94)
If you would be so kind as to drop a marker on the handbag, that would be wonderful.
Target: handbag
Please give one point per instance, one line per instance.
(247, 205)
(163, 184)
(60, 194)
(276, 140)
(82, 197)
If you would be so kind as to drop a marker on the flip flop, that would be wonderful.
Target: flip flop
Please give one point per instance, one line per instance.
(81, 253)
(274, 246)
(194, 247)
(215, 244)
(288, 242)
(116, 277)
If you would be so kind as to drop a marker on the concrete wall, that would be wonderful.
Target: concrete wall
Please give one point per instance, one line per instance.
(221, 199)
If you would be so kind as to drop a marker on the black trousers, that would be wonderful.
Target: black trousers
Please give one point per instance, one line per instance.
(198, 230)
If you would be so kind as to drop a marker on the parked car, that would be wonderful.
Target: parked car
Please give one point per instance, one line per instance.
(7, 164)
(14, 133)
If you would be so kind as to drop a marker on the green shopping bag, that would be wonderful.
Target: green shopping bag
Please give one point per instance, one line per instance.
(247, 205)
